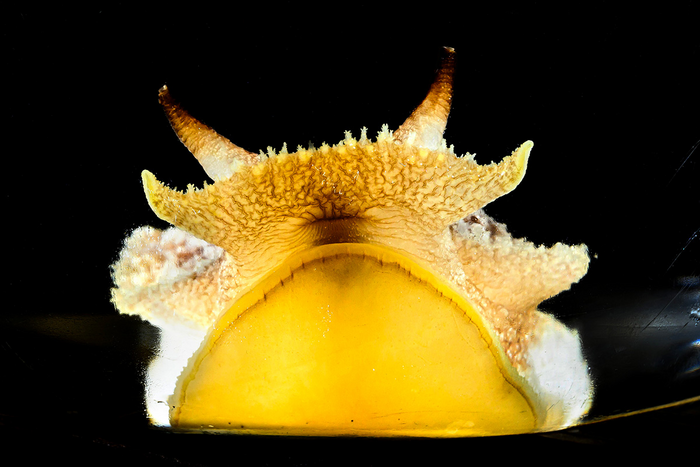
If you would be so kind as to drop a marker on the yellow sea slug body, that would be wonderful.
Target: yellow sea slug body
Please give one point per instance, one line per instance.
(354, 289)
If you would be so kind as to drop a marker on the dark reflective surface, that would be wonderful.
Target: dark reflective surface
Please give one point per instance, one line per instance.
(611, 106)
(643, 348)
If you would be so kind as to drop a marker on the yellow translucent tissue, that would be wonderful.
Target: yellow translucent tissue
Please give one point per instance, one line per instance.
(352, 339)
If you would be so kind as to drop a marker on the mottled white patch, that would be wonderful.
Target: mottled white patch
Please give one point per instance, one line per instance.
(558, 373)
(178, 342)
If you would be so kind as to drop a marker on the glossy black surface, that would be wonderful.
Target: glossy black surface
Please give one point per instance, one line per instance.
(608, 95)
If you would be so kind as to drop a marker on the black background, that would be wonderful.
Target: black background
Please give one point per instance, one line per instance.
(608, 94)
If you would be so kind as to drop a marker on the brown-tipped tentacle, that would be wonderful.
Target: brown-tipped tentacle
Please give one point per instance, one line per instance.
(428, 120)
(219, 156)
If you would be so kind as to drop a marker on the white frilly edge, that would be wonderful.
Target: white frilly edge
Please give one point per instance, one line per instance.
(558, 373)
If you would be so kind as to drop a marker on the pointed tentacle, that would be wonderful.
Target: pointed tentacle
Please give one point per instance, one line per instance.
(219, 157)
(518, 274)
(471, 186)
(197, 211)
(429, 119)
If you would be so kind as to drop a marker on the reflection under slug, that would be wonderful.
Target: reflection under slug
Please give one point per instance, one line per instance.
(640, 337)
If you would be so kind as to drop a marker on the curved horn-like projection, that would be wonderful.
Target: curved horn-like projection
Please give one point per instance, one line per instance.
(241, 207)
(429, 119)
(471, 186)
(218, 156)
